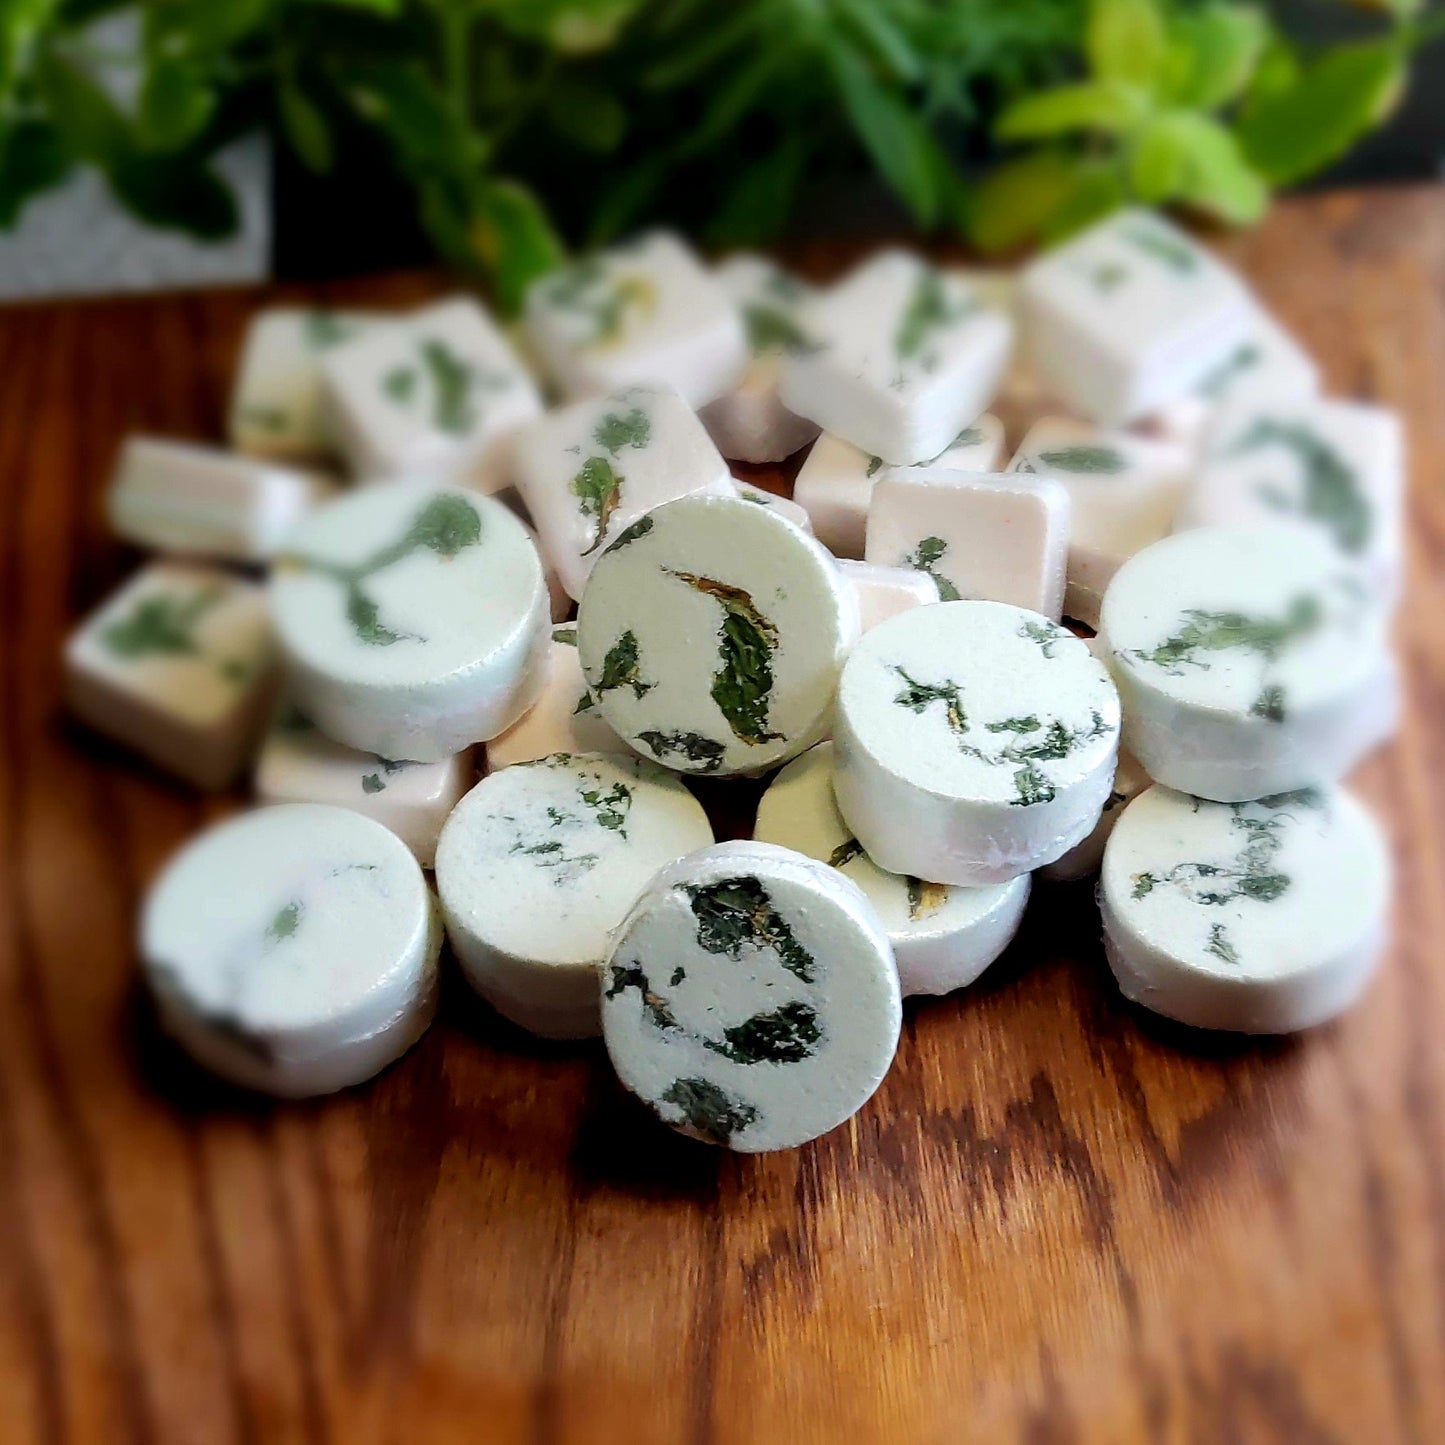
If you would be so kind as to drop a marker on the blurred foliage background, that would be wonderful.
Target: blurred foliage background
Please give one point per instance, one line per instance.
(508, 125)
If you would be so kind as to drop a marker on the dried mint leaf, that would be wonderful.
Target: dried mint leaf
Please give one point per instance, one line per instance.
(925, 558)
(784, 1036)
(1332, 493)
(1100, 460)
(738, 912)
(693, 746)
(743, 684)
(598, 488)
(621, 667)
(711, 1111)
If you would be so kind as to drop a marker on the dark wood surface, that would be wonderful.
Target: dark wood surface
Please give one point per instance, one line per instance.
(1058, 1221)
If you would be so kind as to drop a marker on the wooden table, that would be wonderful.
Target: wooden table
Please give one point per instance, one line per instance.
(1058, 1221)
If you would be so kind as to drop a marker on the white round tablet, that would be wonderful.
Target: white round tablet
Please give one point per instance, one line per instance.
(538, 864)
(943, 937)
(293, 949)
(1260, 917)
(975, 742)
(1249, 662)
(414, 619)
(751, 998)
(711, 634)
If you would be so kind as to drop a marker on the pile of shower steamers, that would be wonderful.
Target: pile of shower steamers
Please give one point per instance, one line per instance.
(886, 648)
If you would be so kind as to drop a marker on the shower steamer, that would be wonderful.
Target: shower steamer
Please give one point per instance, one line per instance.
(835, 483)
(539, 863)
(589, 470)
(974, 742)
(1334, 467)
(276, 407)
(712, 633)
(1129, 317)
(942, 937)
(643, 312)
(205, 502)
(564, 719)
(1261, 917)
(750, 998)
(436, 394)
(1249, 661)
(294, 949)
(414, 619)
(903, 357)
(750, 423)
(300, 764)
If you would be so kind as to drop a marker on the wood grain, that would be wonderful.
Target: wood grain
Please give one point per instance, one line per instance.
(1059, 1221)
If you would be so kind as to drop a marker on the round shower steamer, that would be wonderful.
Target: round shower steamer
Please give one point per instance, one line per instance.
(975, 741)
(537, 865)
(942, 937)
(712, 632)
(1261, 917)
(750, 998)
(293, 949)
(1249, 661)
(415, 619)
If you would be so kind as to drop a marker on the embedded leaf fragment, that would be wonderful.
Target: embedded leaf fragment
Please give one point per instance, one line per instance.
(286, 922)
(609, 808)
(161, 624)
(1331, 495)
(770, 330)
(742, 686)
(605, 304)
(1172, 254)
(621, 667)
(1100, 460)
(322, 330)
(654, 1006)
(845, 853)
(706, 752)
(783, 1036)
(928, 311)
(924, 898)
(632, 428)
(712, 1112)
(453, 408)
(735, 913)
(919, 696)
(598, 488)
(925, 558)
(631, 533)
(1043, 633)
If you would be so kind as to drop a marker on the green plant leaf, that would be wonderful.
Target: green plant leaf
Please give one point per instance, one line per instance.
(88, 120)
(1097, 189)
(180, 193)
(899, 144)
(21, 23)
(512, 235)
(1124, 40)
(1216, 177)
(305, 125)
(1111, 106)
(889, 41)
(586, 115)
(1213, 52)
(1157, 161)
(1015, 200)
(1302, 127)
(761, 199)
(33, 158)
(176, 101)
